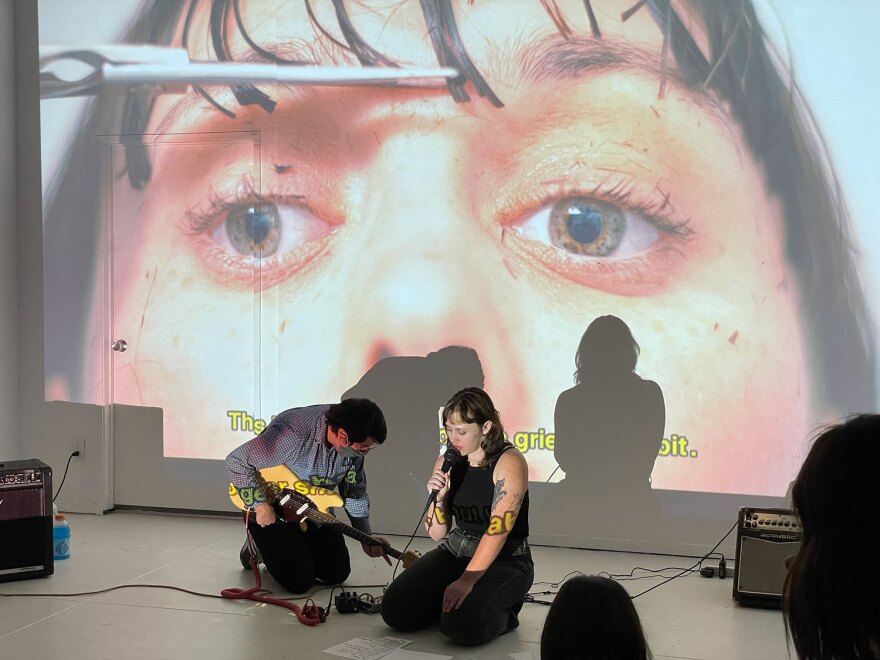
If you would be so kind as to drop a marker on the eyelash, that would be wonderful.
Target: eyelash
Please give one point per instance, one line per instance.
(201, 221)
(629, 276)
(198, 222)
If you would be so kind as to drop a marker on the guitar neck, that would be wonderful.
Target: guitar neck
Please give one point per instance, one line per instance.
(349, 531)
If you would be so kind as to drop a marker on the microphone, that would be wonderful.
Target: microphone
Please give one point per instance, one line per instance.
(450, 458)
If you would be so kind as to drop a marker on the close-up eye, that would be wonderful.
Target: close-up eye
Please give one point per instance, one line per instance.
(266, 229)
(587, 227)
(254, 229)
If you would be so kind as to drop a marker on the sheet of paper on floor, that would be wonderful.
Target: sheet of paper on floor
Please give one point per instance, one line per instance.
(406, 654)
(367, 648)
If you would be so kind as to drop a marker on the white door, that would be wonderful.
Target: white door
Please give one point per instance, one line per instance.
(182, 299)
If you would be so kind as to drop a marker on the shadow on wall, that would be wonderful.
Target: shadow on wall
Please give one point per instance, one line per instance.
(410, 391)
(608, 427)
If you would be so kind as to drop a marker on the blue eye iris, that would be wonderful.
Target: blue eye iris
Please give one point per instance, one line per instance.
(258, 224)
(584, 222)
(254, 230)
(586, 226)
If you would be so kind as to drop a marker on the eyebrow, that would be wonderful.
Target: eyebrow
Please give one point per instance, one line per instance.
(332, 55)
(556, 58)
(553, 57)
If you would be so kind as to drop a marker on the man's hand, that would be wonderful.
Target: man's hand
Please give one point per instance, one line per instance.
(377, 550)
(265, 514)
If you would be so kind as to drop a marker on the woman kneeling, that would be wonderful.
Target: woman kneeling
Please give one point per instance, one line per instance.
(476, 581)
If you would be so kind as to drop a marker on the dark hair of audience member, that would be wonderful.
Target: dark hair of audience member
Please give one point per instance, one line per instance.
(832, 591)
(593, 617)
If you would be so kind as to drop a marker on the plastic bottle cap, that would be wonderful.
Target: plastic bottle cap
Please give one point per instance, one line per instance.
(60, 516)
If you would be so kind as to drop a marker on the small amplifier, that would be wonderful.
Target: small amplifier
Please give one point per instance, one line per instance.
(25, 520)
(765, 539)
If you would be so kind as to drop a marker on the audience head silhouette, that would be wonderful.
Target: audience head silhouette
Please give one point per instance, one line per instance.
(832, 592)
(607, 347)
(593, 617)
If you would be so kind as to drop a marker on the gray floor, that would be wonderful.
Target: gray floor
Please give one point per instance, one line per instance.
(692, 617)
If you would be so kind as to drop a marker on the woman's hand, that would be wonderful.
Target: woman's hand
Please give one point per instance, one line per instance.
(439, 482)
(265, 514)
(455, 593)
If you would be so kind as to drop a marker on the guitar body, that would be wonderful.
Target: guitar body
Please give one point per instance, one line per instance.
(273, 480)
(296, 501)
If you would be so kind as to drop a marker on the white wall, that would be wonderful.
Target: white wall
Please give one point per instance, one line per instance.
(47, 430)
(10, 447)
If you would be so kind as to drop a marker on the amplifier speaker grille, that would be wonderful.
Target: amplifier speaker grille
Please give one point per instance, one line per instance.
(765, 539)
(25, 520)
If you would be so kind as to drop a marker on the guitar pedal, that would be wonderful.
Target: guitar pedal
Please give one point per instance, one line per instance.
(347, 603)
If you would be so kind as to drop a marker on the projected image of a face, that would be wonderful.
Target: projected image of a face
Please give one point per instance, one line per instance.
(376, 222)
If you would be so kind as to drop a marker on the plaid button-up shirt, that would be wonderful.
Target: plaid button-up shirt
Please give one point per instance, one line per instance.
(297, 438)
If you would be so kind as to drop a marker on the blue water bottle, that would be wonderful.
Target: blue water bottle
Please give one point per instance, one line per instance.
(61, 537)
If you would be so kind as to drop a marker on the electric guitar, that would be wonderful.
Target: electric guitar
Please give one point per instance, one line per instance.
(296, 501)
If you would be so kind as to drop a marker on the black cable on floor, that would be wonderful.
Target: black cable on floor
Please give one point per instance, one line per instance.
(692, 568)
(121, 586)
(620, 577)
(187, 591)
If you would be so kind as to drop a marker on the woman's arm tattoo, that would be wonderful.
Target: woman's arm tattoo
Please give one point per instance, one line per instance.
(499, 492)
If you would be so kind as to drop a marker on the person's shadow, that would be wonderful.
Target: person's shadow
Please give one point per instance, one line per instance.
(410, 391)
(608, 431)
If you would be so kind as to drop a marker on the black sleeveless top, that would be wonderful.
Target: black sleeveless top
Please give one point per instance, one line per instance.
(470, 496)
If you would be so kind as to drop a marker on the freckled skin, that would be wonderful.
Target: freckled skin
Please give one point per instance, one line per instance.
(415, 209)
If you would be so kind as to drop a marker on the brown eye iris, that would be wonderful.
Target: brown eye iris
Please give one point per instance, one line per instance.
(254, 230)
(586, 226)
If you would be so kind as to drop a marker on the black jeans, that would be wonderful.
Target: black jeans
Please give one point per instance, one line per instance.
(415, 599)
(296, 558)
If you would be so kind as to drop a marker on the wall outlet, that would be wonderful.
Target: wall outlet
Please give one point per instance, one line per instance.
(79, 444)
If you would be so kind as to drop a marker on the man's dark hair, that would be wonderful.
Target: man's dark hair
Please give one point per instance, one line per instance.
(361, 419)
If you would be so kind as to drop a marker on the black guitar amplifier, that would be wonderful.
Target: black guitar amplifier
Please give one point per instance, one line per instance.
(25, 520)
(765, 538)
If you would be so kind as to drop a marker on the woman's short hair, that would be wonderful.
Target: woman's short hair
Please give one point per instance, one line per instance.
(473, 406)
(832, 591)
(593, 617)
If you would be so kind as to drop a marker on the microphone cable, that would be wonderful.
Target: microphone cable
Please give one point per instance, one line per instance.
(411, 537)
(450, 458)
